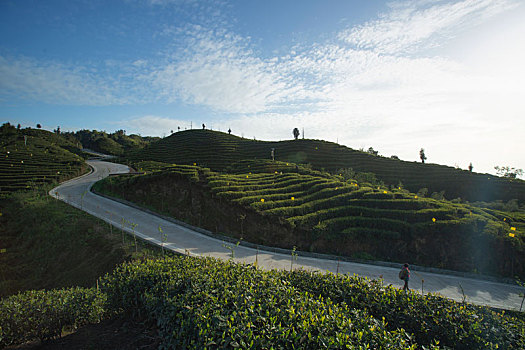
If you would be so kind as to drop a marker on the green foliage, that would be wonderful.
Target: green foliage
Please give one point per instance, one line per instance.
(205, 303)
(30, 158)
(428, 318)
(114, 143)
(219, 151)
(339, 213)
(45, 314)
(508, 172)
(49, 244)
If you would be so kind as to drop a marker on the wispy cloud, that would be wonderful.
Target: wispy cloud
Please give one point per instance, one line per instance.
(411, 25)
(220, 71)
(54, 83)
(374, 84)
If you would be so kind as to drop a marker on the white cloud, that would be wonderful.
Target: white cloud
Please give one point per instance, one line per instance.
(219, 71)
(374, 85)
(410, 25)
(54, 83)
(153, 125)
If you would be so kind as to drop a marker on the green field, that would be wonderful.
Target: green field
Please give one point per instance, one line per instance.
(204, 303)
(218, 151)
(30, 158)
(320, 212)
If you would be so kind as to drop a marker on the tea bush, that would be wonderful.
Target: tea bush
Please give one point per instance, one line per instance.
(323, 208)
(30, 158)
(206, 303)
(223, 152)
(428, 318)
(45, 314)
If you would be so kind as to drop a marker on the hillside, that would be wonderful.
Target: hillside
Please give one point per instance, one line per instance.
(113, 143)
(218, 151)
(30, 158)
(280, 204)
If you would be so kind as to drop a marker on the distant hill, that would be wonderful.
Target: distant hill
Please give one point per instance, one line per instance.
(113, 143)
(30, 157)
(218, 151)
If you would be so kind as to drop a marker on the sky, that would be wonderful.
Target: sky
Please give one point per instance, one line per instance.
(398, 76)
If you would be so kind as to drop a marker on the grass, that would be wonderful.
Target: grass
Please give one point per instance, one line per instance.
(321, 212)
(218, 151)
(49, 244)
(30, 158)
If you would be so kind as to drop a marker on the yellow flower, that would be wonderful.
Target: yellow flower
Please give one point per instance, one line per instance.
(512, 234)
(415, 197)
(262, 200)
(246, 176)
(433, 219)
(194, 163)
(513, 228)
(293, 198)
(385, 192)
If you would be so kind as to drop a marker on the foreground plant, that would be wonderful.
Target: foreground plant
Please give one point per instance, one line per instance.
(45, 314)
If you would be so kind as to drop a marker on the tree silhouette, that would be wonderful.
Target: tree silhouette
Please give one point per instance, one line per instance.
(422, 155)
(508, 172)
(372, 151)
(229, 131)
(296, 133)
(39, 126)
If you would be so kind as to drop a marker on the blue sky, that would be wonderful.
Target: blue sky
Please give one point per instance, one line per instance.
(447, 76)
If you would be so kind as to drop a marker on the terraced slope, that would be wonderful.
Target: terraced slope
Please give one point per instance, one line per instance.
(218, 151)
(41, 158)
(326, 213)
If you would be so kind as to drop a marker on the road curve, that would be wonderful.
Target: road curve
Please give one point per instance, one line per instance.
(77, 193)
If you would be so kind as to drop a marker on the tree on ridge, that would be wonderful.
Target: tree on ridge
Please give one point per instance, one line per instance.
(422, 155)
(296, 133)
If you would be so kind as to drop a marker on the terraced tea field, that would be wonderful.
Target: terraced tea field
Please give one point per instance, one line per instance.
(330, 214)
(27, 164)
(218, 151)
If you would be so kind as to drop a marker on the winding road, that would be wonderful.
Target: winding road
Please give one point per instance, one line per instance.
(183, 240)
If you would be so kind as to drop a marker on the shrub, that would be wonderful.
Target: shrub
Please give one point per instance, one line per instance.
(205, 303)
(44, 314)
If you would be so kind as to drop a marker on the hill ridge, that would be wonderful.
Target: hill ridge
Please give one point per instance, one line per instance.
(218, 151)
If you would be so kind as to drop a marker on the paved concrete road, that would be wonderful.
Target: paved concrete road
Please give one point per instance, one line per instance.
(183, 240)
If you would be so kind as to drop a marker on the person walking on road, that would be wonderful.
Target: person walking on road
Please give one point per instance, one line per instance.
(404, 274)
